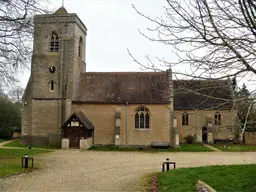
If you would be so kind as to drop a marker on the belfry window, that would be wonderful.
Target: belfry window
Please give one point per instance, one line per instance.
(54, 42)
(184, 119)
(142, 118)
(217, 119)
(80, 47)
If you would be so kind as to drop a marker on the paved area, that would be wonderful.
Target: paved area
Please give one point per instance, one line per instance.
(75, 170)
(5, 142)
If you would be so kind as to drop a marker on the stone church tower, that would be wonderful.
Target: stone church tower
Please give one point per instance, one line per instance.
(57, 61)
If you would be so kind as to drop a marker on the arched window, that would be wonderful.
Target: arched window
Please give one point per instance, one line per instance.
(54, 42)
(142, 118)
(217, 119)
(80, 47)
(184, 118)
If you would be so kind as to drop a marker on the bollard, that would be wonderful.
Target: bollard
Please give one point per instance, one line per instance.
(26, 160)
(167, 164)
(162, 167)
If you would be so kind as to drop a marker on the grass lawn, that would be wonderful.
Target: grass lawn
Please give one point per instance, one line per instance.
(234, 148)
(10, 159)
(233, 178)
(16, 143)
(2, 140)
(183, 148)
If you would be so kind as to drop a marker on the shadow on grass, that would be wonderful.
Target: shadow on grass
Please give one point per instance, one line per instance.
(183, 148)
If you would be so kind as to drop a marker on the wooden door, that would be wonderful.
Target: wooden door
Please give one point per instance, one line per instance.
(74, 138)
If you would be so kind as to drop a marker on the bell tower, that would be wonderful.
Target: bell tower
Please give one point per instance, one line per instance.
(57, 61)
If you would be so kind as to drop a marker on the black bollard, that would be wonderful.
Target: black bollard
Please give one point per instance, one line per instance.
(167, 164)
(26, 160)
(163, 167)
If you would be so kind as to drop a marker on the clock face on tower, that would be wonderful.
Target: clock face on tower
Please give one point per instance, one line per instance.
(52, 69)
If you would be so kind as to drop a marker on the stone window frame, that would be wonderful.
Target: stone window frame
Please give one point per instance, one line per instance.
(80, 47)
(185, 119)
(142, 118)
(217, 118)
(54, 42)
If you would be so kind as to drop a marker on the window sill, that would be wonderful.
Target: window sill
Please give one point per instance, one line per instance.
(137, 129)
(53, 53)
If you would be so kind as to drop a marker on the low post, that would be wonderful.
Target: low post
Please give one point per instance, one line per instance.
(26, 161)
(162, 167)
(167, 164)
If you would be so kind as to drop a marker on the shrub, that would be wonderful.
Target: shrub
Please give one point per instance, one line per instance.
(6, 133)
(190, 139)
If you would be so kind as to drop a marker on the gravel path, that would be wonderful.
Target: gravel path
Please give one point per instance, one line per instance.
(74, 170)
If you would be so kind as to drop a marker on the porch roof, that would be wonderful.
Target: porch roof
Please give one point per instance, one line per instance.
(82, 119)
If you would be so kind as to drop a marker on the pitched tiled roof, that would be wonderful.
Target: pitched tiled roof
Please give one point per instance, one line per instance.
(152, 87)
(82, 118)
(121, 87)
(202, 94)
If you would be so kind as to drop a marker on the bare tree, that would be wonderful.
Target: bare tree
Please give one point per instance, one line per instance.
(16, 33)
(15, 94)
(212, 40)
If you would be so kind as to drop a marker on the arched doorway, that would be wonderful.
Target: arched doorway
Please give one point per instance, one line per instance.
(74, 137)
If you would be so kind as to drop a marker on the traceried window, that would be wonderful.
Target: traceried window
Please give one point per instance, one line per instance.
(185, 118)
(142, 118)
(217, 119)
(80, 47)
(54, 42)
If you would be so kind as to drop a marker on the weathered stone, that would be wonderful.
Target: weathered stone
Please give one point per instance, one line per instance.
(85, 143)
(203, 187)
(65, 143)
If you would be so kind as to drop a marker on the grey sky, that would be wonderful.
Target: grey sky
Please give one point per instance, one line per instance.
(112, 28)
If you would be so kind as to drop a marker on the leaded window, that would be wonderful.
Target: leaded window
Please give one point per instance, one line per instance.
(142, 118)
(217, 119)
(185, 119)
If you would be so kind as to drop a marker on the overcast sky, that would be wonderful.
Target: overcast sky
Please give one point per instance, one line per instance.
(112, 29)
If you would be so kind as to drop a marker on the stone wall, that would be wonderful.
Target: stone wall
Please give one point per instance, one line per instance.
(43, 110)
(103, 118)
(198, 119)
(250, 138)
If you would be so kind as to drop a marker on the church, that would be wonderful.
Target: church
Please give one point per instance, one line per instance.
(65, 105)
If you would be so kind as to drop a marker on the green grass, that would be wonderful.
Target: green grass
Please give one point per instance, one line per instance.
(10, 160)
(2, 140)
(183, 148)
(233, 178)
(16, 143)
(234, 147)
